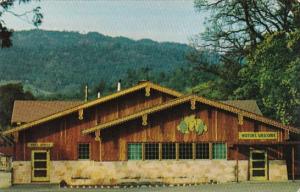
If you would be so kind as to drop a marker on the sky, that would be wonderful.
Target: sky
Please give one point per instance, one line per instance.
(160, 20)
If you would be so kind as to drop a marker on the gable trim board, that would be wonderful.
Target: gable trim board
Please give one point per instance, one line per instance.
(144, 85)
(191, 98)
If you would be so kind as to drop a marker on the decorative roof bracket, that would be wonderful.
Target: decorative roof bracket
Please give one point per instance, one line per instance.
(97, 135)
(147, 91)
(145, 120)
(16, 137)
(241, 119)
(80, 114)
(193, 104)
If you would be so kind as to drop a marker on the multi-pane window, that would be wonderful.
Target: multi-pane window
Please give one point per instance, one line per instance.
(185, 151)
(155, 151)
(134, 151)
(83, 151)
(168, 151)
(151, 151)
(202, 151)
(219, 151)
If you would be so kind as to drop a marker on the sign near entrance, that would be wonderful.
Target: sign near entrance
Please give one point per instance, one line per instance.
(257, 135)
(39, 145)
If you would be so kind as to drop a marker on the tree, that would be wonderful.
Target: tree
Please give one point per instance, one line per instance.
(272, 75)
(8, 94)
(5, 7)
(256, 40)
(236, 27)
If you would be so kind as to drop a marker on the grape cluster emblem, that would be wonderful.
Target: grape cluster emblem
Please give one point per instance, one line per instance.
(192, 124)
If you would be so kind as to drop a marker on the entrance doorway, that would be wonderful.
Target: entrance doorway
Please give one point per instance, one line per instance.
(40, 165)
(258, 165)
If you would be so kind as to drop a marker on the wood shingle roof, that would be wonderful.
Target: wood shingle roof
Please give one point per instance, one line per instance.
(27, 111)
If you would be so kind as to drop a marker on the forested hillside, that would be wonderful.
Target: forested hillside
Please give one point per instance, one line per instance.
(62, 62)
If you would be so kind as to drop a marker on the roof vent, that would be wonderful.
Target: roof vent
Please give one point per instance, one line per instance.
(119, 85)
(86, 90)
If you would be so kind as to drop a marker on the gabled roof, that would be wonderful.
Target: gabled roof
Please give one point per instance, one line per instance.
(27, 111)
(189, 98)
(93, 103)
(247, 105)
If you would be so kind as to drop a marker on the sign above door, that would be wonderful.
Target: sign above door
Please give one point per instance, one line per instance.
(39, 145)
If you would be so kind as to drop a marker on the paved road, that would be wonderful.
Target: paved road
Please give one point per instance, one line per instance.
(233, 187)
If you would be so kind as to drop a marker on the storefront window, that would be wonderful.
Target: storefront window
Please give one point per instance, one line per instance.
(219, 151)
(185, 151)
(168, 151)
(134, 151)
(202, 151)
(151, 151)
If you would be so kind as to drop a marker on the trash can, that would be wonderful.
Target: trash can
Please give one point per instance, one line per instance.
(5, 171)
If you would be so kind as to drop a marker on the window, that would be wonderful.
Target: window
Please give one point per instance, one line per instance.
(219, 151)
(83, 151)
(202, 151)
(168, 151)
(185, 151)
(151, 151)
(134, 151)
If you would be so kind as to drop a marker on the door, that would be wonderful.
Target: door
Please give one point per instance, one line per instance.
(258, 165)
(40, 165)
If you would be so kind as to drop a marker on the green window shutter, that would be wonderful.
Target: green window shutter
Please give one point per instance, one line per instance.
(219, 151)
(134, 151)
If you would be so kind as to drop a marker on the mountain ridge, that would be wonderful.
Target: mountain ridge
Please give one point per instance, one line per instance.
(61, 61)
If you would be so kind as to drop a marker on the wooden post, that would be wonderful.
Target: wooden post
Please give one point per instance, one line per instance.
(194, 150)
(143, 151)
(237, 163)
(293, 162)
(160, 151)
(177, 151)
(100, 151)
(210, 151)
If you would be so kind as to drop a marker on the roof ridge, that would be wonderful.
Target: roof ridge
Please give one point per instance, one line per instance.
(239, 100)
(50, 100)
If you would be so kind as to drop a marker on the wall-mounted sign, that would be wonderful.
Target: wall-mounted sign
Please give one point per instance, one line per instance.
(39, 145)
(192, 124)
(258, 135)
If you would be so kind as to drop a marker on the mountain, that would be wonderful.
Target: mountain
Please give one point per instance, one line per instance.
(61, 62)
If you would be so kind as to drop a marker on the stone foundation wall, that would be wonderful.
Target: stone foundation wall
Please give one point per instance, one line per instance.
(278, 170)
(5, 179)
(21, 172)
(169, 171)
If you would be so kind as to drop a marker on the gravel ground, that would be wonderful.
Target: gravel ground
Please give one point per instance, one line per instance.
(232, 187)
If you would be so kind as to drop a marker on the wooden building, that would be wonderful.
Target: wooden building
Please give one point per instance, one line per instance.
(149, 133)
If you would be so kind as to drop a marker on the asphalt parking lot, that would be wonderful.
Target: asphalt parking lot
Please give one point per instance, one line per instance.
(230, 187)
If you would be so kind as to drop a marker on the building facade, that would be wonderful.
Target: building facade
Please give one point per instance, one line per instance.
(149, 133)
